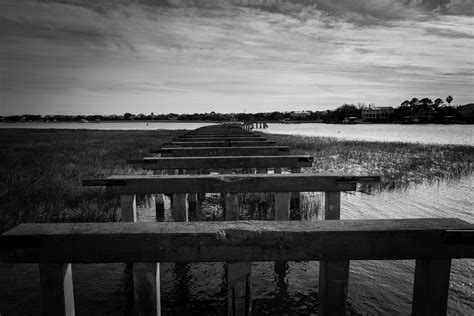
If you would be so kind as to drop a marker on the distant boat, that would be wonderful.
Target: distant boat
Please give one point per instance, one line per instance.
(84, 121)
(352, 120)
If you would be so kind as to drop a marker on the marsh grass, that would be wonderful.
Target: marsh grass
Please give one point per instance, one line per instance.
(400, 165)
(41, 172)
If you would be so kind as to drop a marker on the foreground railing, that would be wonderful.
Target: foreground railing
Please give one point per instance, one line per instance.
(432, 242)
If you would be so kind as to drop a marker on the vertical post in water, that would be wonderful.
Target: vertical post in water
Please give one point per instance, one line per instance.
(295, 196)
(282, 213)
(57, 293)
(239, 274)
(146, 277)
(430, 292)
(333, 274)
(128, 207)
(159, 202)
(192, 201)
(180, 207)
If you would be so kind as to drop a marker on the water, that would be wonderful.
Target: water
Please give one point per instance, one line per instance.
(375, 287)
(428, 133)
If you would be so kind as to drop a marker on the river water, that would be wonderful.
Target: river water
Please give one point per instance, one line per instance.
(375, 287)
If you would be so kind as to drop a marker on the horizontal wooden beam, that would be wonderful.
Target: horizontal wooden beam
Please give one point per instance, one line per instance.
(149, 184)
(224, 162)
(234, 241)
(221, 151)
(211, 139)
(219, 144)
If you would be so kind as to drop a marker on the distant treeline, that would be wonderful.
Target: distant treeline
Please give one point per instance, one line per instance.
(413, 111)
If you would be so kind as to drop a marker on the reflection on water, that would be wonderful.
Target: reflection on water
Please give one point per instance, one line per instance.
(375, 287)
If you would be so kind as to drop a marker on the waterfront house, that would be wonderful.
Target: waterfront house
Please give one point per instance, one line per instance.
(377, 114)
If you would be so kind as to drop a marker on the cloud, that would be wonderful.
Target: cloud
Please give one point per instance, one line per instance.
(195, 53)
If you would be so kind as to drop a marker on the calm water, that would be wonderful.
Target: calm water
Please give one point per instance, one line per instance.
(375, 287)
(429, 133)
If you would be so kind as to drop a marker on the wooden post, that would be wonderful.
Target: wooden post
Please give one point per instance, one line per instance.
(128, 206)
(192, 200)
(282, 206)
(332, 206)
(430, 292)
(146, 284)
(334, 274)
(231, 207)
(239, 280)
(146, 277)
(159, 202)
(57, 293)
(295, 196)
(180, 207)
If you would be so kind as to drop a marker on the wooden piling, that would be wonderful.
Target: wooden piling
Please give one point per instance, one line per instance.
(57, 293)
(430, 292)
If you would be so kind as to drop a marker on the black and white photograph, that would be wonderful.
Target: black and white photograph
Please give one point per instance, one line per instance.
(236, 157)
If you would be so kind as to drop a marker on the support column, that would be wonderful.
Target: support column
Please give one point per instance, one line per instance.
(57, 295)
(295, 197)
(146, 276)
(239, 274)
(430, 292)
(180, 207)
(192, 201)
(159, 202)
(282, 206)
(333, 274)
(128, 206)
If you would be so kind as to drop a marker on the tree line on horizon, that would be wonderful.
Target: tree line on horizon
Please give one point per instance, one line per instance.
(438, 111)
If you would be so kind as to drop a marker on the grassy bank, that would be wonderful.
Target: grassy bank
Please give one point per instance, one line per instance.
(399, 164)
(41, 170)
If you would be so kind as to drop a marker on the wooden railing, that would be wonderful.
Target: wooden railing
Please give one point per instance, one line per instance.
(432, 242)
(334, 243)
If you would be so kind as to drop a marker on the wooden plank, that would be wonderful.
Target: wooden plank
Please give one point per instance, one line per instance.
(286, 161)
(430, 292)
(57, 295)
(234, 183)
(218, 144)
(234, 241)
(221, 151)
(220, 138)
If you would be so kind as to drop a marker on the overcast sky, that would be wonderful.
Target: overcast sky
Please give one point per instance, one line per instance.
(161, 56)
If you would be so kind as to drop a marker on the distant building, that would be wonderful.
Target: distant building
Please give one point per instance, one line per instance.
(466, 110)
(374, 114)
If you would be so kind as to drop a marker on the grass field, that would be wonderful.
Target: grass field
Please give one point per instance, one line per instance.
(41, 170)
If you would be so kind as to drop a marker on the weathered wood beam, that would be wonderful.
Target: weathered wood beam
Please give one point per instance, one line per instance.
(235, 183)
(220, 138)
(235, 241)
(221, 151)
(218, 143)
(224, 162)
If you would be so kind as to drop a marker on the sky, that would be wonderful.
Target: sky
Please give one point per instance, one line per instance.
(189, 56)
